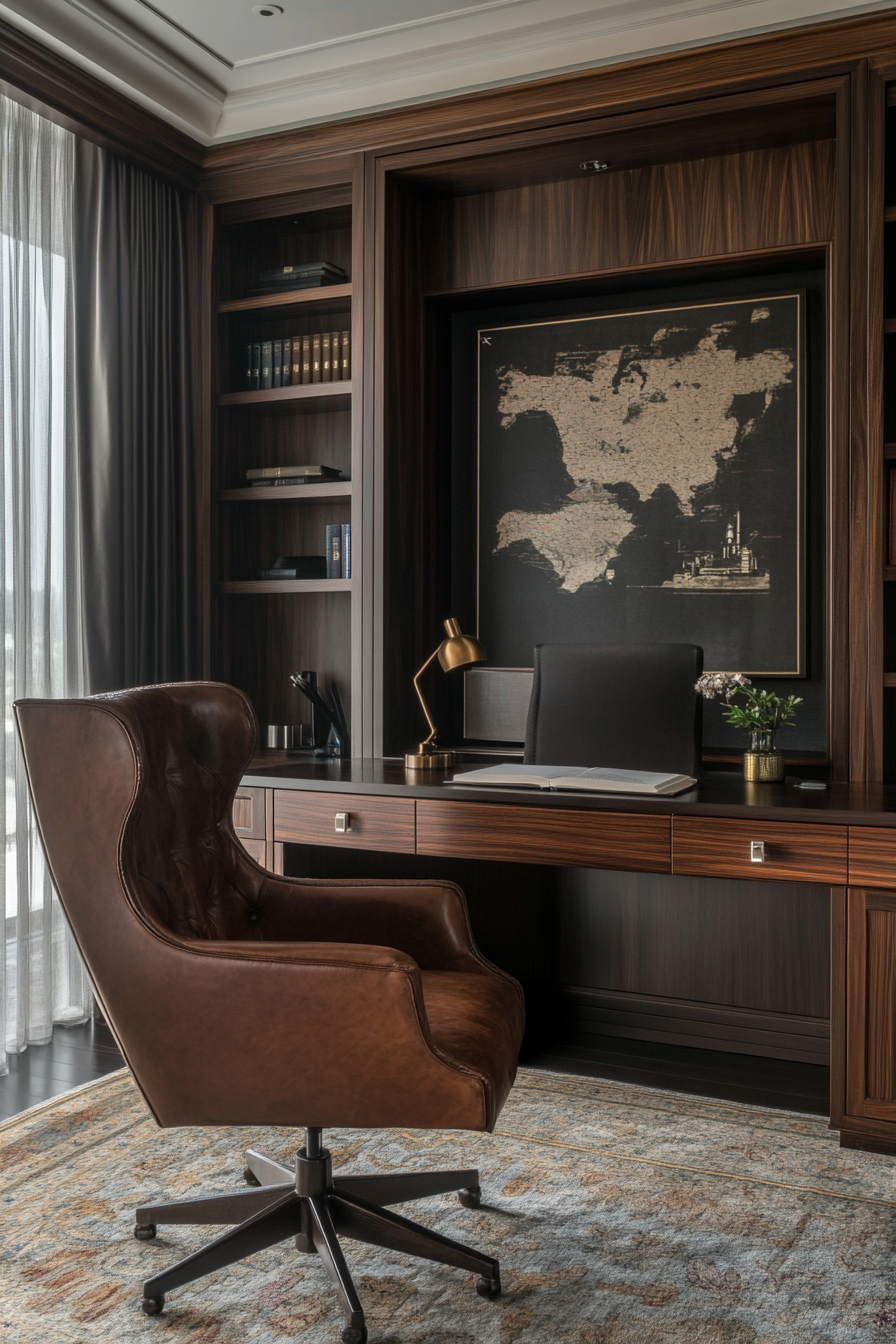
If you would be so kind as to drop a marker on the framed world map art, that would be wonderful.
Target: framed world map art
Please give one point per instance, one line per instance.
(640, 477)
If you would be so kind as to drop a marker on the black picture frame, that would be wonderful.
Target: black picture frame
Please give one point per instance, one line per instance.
(663, 559)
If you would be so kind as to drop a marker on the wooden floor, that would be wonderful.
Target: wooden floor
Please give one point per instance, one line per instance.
(749, 1079)
(75, 1055)
(78, 1055)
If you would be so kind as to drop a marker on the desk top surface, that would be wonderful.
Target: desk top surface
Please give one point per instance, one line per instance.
(718, 793)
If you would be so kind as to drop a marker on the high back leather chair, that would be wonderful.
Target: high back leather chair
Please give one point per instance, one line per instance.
(628, 706)
(241, 998)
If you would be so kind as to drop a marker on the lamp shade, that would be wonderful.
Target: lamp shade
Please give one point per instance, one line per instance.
(459, 650)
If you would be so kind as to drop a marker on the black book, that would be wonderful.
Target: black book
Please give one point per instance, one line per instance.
(295, 272)
(256, 366)
(249, 349)
(267, 362)
(277, 365)
(334, 550)
(297, 567)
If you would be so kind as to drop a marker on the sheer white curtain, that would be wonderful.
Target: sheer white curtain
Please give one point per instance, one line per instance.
(43, 980)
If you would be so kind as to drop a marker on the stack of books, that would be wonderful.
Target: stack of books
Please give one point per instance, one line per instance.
(306, 473)
(322, 358)
(306, 275)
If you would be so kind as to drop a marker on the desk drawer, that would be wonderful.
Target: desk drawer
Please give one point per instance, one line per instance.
(710, 847)
(552, 835)
(370, 823)
(872, 856)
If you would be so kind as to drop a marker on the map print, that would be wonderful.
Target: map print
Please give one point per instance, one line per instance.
(657, 454)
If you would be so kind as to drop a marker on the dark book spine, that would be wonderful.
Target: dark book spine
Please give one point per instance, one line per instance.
(256, 366)
(336, 355)
(345, 343)
(325, 354)
(277, 365)
(346, 550)
(315, 359)
(249, 349)
(891, 548)
(267, 363)
(296, 360)
(306, 359)
(334, 551)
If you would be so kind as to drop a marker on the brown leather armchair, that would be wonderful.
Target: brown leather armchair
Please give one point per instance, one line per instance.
(242, 998)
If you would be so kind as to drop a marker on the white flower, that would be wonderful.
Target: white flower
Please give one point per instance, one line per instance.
(712, 684)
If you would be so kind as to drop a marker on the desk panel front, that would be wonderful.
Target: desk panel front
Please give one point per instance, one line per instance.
(637, 842)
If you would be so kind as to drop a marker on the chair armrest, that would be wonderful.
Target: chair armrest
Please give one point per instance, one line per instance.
(357, 956)
(426, 920)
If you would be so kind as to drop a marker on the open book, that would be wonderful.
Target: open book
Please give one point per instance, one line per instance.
(597, 779)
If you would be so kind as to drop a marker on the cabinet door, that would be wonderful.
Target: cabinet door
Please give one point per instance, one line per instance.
(871, 1006)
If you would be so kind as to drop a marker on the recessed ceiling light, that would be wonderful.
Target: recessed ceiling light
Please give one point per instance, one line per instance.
(267, 11)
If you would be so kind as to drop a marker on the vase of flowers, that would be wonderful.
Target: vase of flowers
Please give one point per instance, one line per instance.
(762, 715)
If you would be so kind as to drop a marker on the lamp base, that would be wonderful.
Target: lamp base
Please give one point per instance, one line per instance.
(429, 760)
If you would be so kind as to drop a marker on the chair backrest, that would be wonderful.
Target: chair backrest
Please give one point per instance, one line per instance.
(631, 706)
(133, 795)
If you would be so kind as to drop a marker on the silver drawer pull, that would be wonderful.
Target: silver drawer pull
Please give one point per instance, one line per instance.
(757, 851)
(343, 822)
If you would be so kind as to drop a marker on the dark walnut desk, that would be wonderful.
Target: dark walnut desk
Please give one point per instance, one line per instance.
(842, 839)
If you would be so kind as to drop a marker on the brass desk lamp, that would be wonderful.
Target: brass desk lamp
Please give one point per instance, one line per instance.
(456, 651)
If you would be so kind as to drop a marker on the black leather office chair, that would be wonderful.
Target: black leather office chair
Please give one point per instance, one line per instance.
(632, 706)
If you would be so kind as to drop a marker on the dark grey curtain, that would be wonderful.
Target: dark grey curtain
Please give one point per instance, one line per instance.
(134, 429)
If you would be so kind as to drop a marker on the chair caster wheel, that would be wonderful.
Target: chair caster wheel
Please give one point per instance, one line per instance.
(249, 1177)
(145, 1231)
(471, 1197)
(152, 1305)
(351, 1335)
(490, 1288)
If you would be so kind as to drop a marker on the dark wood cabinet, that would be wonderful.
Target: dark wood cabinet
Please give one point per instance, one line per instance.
(762, 849)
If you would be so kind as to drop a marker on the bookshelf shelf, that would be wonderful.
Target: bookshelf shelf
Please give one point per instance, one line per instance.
(334, 392)
(889, 681)
(890, 214)
(256, 586)
(323, 296)
(890, 452)
(324, 493)
(889, 326)
(889, 573)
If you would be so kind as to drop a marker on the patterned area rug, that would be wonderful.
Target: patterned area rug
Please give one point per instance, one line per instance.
(620, 1215)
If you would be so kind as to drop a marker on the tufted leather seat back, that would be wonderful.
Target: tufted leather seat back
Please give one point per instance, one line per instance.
(179, 856)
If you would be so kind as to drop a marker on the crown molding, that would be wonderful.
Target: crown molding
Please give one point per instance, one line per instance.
(43, 80)
(158, 64)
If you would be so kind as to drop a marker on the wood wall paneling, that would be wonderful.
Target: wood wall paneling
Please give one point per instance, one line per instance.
(762, 946)
(644, 216)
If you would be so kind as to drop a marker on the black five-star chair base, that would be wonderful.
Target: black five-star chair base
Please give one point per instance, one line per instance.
(311, 1206)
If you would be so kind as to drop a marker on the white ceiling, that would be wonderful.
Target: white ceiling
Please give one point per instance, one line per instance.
(220, 71)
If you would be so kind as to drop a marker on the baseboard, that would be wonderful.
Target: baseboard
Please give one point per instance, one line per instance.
(576, 1014)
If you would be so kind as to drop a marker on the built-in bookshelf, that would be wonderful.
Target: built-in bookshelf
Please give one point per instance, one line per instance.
(262, 628)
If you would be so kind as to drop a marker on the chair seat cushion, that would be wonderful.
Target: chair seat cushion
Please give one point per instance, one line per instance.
(478, 1020)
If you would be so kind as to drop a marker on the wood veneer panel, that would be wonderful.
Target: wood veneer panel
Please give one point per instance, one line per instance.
(544, 835)
(287, 299)
(872, 856)
(705, 846)
(372, 823)
(249, 812)
(881, 990)
(764, 199)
